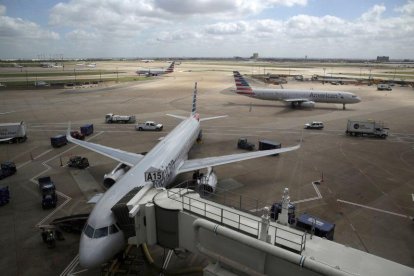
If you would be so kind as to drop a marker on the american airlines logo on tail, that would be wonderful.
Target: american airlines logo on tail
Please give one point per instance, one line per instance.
(170, 69)
(242, 86)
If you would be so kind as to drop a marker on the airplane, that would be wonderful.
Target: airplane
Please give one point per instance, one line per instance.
(295, 97)
(147, 60)
(102, 238)
(156, 72)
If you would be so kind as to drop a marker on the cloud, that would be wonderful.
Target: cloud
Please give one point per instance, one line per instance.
(177, 36)
(18, 28)
(374, 13)
(227, 28)
(407, 9)
(2, 10)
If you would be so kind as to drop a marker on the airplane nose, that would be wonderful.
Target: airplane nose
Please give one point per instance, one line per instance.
(358, 99)
(94, 252)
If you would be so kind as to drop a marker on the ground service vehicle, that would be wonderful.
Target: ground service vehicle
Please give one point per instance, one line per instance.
(314, 125)
(13, 132)
(7, 168)
(87, 129)
(276, 209)
(148, 125)
(111, 118)
(268, 145)
(58, 141)
(77, 135)
(319, 227)
(4, 195)
(368, 127)
(242, 143)
(384, 86)
(48, 190)
(78, 162)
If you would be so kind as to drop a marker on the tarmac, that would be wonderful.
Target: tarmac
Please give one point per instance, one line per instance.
(367, 188)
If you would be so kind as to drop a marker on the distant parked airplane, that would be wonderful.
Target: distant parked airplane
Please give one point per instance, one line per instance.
(295, 97)
(102, 238)
(156, 72)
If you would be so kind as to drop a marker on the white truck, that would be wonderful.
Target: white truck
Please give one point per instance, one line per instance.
(368, 127)
(148, 125)
(13, 132)
(384, 86)
(112, 118)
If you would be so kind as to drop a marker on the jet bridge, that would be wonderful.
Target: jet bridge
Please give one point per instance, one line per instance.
(239, 243)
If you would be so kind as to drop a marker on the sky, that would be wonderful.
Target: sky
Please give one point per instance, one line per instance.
(207, 28)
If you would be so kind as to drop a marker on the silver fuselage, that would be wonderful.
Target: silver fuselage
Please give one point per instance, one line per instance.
(311, 95)
(167, 156)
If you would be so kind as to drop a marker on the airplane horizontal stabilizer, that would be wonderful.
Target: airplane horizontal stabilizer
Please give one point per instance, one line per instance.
(177, 116)
(212, 118)
(196, 164)
(128, 158)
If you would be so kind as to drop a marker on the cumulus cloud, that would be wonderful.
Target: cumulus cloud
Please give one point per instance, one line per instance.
(227, 28)
(217, 28)
(407, 9)
(374, 13)
(18, 28)
(178, 35)
(2, 10)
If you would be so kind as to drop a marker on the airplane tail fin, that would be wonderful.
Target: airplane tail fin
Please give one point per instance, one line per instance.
(194, 108)
(242, 86)
(170, 69)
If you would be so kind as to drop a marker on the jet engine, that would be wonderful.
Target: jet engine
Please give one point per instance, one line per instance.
(115, 174)
(308, 104)
(207, 183)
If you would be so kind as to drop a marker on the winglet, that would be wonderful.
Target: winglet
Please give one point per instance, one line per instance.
(68, 136)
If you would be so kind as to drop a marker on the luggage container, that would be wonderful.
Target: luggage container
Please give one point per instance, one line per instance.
(268, 145)
(321, 227)
(58, 141)
(87, 129)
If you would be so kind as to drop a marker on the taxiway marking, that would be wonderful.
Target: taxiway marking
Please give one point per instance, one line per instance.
(372, 208)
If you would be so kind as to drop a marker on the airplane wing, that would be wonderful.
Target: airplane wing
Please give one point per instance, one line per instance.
(300, 100)
(128, 158)
(196, 164)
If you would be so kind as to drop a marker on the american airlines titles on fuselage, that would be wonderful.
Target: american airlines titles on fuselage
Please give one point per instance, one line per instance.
(102, 238)
(305, 98)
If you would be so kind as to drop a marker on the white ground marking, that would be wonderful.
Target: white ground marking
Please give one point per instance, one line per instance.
(372, 208)
(34, 179)
(68, 270)
(319, 196)
(412, 195)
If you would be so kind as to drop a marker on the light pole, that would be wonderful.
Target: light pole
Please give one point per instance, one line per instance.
(116, 74)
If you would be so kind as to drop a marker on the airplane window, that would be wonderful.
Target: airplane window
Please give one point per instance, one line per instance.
(113, 229)
(89, 231)
(101, 232)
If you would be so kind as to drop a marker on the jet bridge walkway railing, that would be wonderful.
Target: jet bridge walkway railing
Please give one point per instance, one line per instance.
(237, 220)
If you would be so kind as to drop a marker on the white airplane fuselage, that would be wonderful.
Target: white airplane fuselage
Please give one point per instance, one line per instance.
(311, 95)
(166, 156)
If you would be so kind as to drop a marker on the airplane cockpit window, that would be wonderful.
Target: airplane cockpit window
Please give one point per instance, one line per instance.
(101, 232)
(113, 229)
(89, 231)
